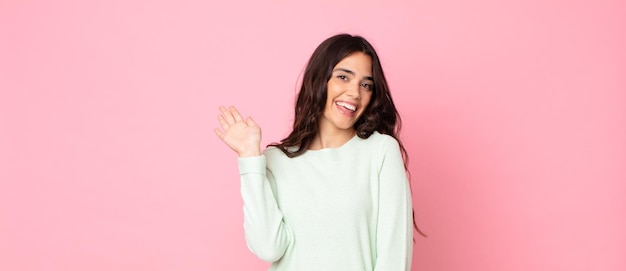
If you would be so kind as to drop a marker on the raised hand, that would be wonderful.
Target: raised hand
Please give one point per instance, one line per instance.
(242, 136)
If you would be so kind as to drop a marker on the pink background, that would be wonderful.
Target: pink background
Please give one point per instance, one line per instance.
(514, 118)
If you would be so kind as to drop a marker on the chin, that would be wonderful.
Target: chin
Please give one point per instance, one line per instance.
(346, 126)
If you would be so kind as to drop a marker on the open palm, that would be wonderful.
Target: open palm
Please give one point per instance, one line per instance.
(242, 136)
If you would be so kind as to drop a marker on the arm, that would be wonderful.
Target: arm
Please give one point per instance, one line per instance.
(267, 235)
(394, 242)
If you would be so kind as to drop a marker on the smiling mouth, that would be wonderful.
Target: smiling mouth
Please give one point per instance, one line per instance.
(347, 106)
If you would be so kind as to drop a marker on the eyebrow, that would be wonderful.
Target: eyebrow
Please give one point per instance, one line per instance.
(352, 73)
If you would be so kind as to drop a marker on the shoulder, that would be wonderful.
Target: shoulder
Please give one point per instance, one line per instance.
(376, 136)
(382, 140)
(273, 153)
(274, 158)
(383, 146)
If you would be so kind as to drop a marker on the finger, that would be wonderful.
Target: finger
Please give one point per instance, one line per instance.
(236, 114)
(225, 125)
(227, 115)
(219, 133)
(250, 122)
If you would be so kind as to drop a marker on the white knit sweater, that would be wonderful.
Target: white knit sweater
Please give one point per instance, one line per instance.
(346, 208)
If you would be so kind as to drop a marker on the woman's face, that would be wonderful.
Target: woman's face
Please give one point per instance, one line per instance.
(349, 92)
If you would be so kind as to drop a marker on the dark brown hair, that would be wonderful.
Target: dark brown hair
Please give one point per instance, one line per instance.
(380, 115)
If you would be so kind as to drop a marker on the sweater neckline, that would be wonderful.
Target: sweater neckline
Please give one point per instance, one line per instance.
(344, 146)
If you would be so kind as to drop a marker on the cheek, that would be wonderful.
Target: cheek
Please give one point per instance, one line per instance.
(366, 98)
(332, 91)
(329, 94)
(331, 88)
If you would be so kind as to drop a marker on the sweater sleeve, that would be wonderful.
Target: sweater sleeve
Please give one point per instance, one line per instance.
(267, 236)
(394, 232)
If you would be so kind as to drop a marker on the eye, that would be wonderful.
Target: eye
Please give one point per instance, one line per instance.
(342, 77)
(367, 86)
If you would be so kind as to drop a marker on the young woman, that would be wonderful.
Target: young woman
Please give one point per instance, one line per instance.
(334, 194)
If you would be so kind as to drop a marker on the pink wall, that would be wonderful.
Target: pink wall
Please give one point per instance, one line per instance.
(514, 113)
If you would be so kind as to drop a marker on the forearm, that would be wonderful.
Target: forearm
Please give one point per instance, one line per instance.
(266, 234)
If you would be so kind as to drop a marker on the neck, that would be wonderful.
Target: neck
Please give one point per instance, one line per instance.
(331, 139)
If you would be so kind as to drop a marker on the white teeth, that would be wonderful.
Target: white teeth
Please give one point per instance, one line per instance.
(347, 106)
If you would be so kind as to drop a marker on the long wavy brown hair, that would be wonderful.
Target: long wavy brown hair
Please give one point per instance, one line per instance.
(380, 115)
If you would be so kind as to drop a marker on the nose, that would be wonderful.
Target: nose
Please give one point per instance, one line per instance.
(354, 90)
